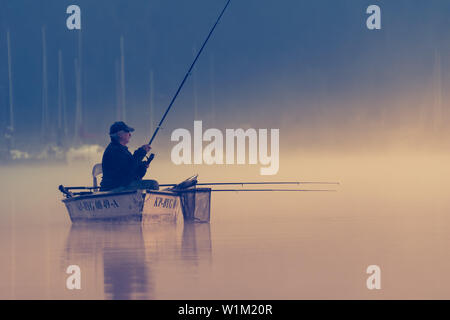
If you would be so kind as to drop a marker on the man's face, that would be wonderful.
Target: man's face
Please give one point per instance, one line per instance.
(124, 137)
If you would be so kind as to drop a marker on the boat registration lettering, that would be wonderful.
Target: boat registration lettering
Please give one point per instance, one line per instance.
(97, 205)
(165, 202)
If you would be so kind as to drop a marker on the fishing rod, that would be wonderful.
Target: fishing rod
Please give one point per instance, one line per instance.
(257, 190)
(186, 76)
(221, 184)
(275, 182)
(253, 183)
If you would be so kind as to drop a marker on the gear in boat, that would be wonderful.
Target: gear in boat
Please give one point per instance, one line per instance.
(167, 205)
(188, 198)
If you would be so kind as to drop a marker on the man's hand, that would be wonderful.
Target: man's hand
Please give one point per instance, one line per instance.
(146, 147)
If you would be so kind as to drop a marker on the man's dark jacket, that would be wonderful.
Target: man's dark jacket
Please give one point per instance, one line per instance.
(120, 167)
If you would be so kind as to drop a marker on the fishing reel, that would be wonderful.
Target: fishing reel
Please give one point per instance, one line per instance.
(149, 159)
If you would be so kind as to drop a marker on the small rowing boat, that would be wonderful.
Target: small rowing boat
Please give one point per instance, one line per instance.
(148, 206)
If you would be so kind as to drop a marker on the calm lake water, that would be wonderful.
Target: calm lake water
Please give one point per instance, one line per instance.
(391, 211)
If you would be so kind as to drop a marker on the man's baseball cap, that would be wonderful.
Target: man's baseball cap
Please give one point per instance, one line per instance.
(119, 126)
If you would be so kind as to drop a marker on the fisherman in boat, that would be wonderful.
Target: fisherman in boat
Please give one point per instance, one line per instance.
(121, 169)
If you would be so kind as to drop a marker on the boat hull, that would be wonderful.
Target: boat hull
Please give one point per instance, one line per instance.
(139, 205)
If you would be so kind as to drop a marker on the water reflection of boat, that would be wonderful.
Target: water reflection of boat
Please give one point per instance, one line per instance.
(196, 242)
(131, 257)
(114, 250)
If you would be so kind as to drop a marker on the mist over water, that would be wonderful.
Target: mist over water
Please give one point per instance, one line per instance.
(390, 210)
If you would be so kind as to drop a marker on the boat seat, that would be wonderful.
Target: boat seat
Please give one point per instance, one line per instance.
(96, 170)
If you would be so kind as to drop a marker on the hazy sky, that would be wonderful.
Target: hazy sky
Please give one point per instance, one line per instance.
(268, 64)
